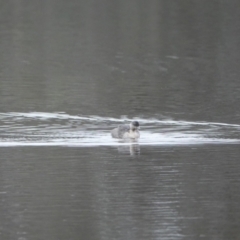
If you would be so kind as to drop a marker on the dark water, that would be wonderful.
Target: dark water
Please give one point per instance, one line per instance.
(71, 71)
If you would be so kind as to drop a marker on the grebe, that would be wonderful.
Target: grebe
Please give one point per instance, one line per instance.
(126, 131)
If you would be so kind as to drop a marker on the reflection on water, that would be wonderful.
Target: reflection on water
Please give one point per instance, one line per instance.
(132, 149)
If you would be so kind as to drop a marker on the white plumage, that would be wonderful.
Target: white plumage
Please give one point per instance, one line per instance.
(126, 131)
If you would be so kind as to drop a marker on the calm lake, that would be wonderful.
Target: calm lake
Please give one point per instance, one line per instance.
(73, 70)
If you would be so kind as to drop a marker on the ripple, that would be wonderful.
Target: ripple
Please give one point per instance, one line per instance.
(62, 129)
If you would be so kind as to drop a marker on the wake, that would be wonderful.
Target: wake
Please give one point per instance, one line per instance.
(62, 129)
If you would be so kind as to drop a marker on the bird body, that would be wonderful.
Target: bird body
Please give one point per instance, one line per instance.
(126, 131)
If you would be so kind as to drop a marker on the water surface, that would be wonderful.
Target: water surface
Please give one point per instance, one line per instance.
(61, 129)
(71, 71)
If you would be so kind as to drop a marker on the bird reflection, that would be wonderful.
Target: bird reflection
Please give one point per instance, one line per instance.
(133, 149)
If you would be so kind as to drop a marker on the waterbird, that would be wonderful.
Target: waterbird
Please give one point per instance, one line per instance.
(126, 131)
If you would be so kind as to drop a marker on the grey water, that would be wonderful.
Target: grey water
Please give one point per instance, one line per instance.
(70, 71)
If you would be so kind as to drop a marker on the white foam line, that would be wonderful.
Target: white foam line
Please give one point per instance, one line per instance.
(180, 142)
(41, 115)
(58, 115)
(199, 123)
